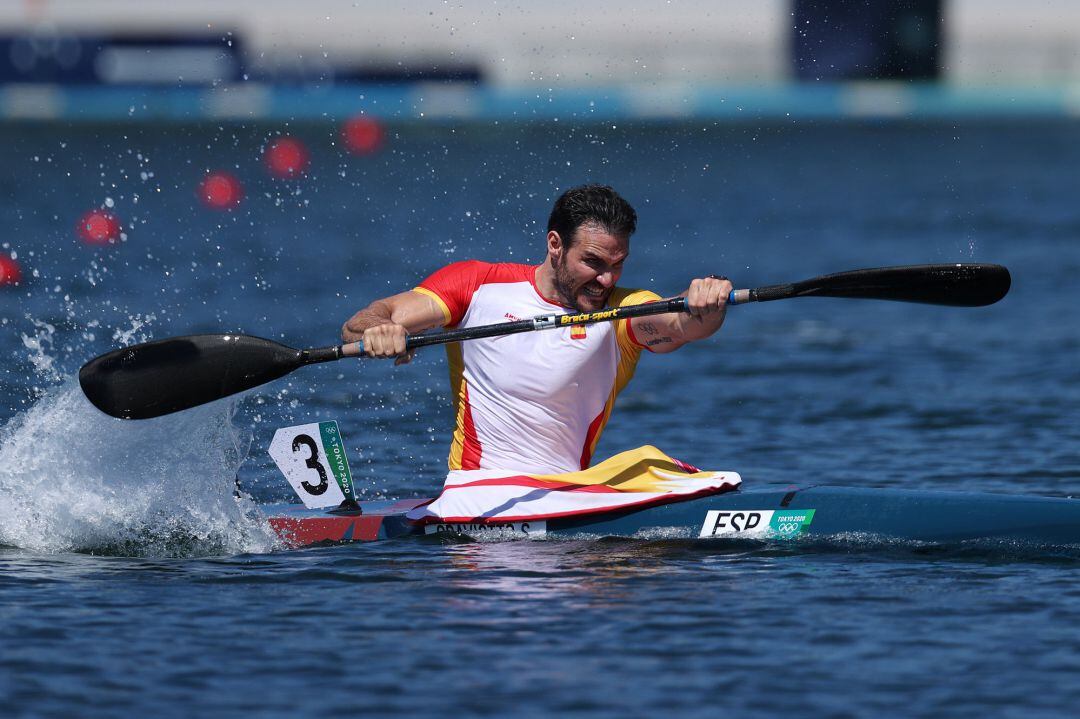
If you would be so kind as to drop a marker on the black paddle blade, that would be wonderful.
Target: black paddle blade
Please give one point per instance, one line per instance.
(157, 378)
(956, 285)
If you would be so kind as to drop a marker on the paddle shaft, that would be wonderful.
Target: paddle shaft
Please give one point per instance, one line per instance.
(960, 285)
(543, 322)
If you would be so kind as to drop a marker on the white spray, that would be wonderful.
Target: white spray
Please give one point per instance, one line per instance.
(74, 479)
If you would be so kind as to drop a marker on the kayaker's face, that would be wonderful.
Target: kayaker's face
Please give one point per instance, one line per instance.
(586, 273)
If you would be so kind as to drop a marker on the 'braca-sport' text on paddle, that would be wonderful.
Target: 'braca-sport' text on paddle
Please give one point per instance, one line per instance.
(156, 378)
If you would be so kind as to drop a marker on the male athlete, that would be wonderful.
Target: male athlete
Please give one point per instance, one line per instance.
(537, 402)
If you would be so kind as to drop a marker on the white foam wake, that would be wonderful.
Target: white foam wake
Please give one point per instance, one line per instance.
(73, 479)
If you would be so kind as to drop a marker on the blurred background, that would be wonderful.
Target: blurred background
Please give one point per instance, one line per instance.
(127, 60)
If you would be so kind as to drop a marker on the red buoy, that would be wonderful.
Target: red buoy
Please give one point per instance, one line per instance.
(10, 273)
(287, 157)
(220, 190)
(99, 227)
(363, 135)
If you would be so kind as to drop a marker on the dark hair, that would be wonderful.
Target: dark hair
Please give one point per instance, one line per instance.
(591, 204)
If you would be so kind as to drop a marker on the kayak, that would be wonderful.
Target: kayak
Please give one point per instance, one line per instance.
(766, 514)
(641, 493)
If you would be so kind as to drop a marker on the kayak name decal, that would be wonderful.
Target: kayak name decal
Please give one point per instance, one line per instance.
(528, 529)
(756, 523)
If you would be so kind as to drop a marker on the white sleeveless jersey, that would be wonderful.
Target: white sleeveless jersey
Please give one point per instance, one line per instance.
(536, 401)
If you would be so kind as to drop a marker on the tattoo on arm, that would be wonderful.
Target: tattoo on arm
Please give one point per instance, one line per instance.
(651, 329)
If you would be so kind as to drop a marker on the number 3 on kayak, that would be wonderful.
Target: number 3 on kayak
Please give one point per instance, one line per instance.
(312, 457)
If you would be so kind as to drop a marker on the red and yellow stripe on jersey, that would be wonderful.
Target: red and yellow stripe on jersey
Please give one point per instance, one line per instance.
(534, 402)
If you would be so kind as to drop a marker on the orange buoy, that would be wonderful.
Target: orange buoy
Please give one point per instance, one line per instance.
(220, 190)
(287, 157)
(363, 135)
(99, 227)
(10, 272)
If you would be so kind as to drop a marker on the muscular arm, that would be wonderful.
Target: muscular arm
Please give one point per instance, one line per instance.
(384, 325)
(708, 307)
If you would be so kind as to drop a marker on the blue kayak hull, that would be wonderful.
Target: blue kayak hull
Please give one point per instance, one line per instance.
(769, 514)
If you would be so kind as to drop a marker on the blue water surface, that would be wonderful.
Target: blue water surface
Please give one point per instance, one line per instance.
(132, 582)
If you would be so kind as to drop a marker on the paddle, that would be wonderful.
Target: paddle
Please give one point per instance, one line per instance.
(157, 378)
(955, 285)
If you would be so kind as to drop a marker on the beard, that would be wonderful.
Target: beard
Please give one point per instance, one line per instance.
(569, 292)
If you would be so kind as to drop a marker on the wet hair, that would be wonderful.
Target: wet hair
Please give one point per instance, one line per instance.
(591, 204)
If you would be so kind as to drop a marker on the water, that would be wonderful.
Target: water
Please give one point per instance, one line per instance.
(132, 581)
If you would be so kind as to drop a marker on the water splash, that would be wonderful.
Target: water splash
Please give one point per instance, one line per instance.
(137, 332)
(40, 344)
(75, 480)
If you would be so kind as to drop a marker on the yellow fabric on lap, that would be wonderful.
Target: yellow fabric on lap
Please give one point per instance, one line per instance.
(645, 469)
